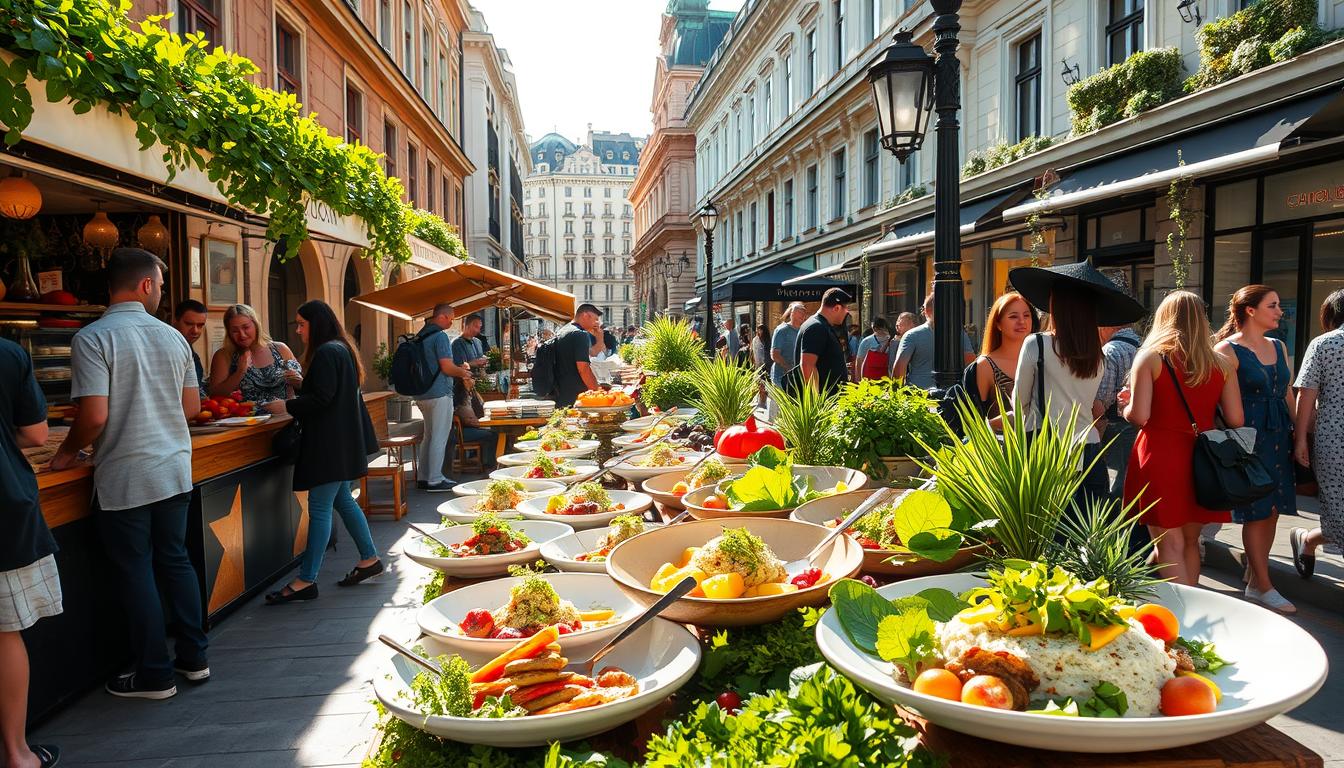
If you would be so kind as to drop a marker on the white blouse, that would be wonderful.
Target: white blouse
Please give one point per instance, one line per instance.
(1063, 390)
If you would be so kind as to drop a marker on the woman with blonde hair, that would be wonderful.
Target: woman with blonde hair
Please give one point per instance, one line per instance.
(1179, 383)
(250, 362)
(1009, 323)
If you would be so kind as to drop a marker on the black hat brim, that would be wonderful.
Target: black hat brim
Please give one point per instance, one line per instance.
(1114, 306)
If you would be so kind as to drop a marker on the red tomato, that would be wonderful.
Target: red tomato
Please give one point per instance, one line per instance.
(1187, 696)
(729, 701)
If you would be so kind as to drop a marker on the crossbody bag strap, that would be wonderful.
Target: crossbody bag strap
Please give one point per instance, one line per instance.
(1180, 392)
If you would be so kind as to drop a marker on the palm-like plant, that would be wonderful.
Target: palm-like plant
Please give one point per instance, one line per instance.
(670, 345)
(1094, 544)
(804, 421)
(726, 391)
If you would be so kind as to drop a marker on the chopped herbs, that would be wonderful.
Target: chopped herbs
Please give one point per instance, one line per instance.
(744, 550)
(445, 694)
(1204, 655)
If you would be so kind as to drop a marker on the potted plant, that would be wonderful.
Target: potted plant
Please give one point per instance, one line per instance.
(881, 427)
(398, 406)
(671, 346)
(666, 390)
(725, 391)
(804, 419)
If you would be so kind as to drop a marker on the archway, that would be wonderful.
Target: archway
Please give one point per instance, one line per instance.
(288, 285)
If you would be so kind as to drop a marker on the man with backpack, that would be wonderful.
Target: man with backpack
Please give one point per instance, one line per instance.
(423, 368)
(563, 367)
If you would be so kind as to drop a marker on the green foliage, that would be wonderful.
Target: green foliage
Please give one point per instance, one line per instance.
(438, 233)
(1094, 545)
(382, 363)
(1003, 153)
(629, 353)
(671, 345)
(1258, 35)
(668, 389)
(757, 658)
(725, 391)
(878, 418)
(433, 588)
(205, 109)
(912, 192)
(804, 421)
(1181, 258)
(1144, 80)
(404, 746)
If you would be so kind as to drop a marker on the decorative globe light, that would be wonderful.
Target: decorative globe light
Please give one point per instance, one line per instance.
(19, 198)
(153, 236)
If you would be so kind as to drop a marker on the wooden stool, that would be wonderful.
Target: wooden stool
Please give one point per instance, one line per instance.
(467, 457)
(390, 465)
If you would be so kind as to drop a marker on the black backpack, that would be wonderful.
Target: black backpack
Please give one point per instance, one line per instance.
(412, 374)
(543, 367)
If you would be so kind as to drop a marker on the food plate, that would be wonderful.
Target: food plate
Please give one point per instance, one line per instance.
(644, 422)
(823, 478)
(243, 421)
(522, 458)
(1256, 687)
(531, 487)
(627, 442)
(660, 488)
(634, 504)
(661, 655)
(622, 466)
(828, 508)
(584, 471)
(578, 447)
(539, 531)
(634, 561)
(562, 552)
(463, 510)
(587, 591)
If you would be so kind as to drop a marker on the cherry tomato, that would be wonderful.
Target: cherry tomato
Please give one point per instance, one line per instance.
(807, 578)
(869, 580)
(729, 701)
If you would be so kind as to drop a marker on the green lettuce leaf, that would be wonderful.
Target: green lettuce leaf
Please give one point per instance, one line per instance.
(938, 544)
(907, 640)
(860, 609)
(943, 605)
(918, 512)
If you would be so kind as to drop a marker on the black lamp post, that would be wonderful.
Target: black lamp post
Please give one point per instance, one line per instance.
(907, 85)
(709, 217)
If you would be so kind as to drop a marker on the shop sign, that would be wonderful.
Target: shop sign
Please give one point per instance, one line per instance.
(427, 256)
(1301, 194)
(325, 221)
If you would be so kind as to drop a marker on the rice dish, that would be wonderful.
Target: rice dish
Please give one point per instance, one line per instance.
(739, 551)
(1134, 661)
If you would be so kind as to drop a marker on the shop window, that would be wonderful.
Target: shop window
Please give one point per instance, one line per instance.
(354, 114)
(1281, 260)
(288, 59)
(1234, 205)
(1327, 267)
(1124, 30)
(1123, 228)
(1010, 253)
(900, 290)
(1028, 85)
(1232, 268)
(201, 16)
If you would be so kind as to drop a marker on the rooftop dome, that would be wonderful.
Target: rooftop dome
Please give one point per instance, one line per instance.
(552, 149)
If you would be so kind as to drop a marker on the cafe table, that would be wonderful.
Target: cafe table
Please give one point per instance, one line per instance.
(508, 428)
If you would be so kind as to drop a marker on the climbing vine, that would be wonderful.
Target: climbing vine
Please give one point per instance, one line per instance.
(203, 107)
(1176, 239)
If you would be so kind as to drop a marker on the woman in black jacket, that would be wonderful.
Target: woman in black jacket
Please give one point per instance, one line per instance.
(336, 440)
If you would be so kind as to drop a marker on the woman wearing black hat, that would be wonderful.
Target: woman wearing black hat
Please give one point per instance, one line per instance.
(1079, 300)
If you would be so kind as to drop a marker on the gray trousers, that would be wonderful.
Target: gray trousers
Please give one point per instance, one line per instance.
(438, 414)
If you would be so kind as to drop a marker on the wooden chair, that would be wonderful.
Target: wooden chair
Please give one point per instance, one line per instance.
(467, 456)
(391, 466)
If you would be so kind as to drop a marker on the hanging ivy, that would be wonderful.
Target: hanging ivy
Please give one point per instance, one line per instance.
(1176, 239)
(203, 107)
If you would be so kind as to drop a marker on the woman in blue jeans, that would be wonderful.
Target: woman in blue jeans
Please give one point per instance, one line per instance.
(336, 440)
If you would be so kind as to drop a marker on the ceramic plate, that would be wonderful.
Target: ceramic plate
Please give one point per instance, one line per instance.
(661, 655)
(562, 552)
(1257, 686)
(525, 457)
(634, 504)
(243, 421)
(578, 447)
(463, 510)
(584, 471)
(529, 486)
(539, 531)
(624, 468)
(644, 422)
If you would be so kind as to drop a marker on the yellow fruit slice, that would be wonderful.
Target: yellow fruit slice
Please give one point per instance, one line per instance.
(1030, 629)
(978, 615)
(672, 579)
(1217, 692)
(724, 586)
(1102, 636)
(776, 588)
(601, 614)
(687, 555)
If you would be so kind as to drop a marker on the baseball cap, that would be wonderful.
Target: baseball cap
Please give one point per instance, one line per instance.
(586, 307)
(834, 296)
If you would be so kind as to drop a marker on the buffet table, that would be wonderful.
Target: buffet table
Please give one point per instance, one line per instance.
(245, 529)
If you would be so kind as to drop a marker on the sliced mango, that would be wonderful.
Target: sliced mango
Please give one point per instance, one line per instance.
(775, 588)
(600, 614)
(555, 504)
(724, 586)
(1126, 611)
(664, 570)
(673, 579)
(979, 615)
(1102, 636)
(686, 556)
(1217, 692)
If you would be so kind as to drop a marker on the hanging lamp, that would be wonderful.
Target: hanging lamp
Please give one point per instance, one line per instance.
(19, 197)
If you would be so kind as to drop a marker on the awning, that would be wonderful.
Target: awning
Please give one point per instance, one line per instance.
(1232, 145)
(469, 287)
(778, 282)
(691, 304)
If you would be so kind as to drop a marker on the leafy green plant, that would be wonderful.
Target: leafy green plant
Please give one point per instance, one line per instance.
(1094, 544)
(912, 192)
(725, 391)
(804, 420)
(402, 745)
(438, 233)
(1144, 80)
(671, 345)
(494, 358)
(756, 658)
(1002, 153)
(203, 106)
(382, 363)
(878, 418)
(666, 390)
(1258, 35)
(629, 353)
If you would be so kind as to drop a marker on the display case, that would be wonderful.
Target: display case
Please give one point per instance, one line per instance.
(46, 332)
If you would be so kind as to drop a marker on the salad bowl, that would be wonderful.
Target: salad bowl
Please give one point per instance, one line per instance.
(584, 471)
(659, 487)
(885, 562)
(477, 566)
(564, 551)
(463, 510)
(440, 617)
(635, 562)
(822, 480)
(1256, 685)
(662, 656)
(532, 487)
(577, 448)
(632, 503)
(627, 467)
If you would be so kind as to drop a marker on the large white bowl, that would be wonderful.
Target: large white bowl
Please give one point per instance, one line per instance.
(627, 442)
(532, 487)
(539, 531)
(463, 510)
(1276, 666)
(587, 591)
(585, 471)
(623, 468)
(581, 447)
(662, 656)
(635, 504)
(525, 457)
(562, 552)
(644, 422)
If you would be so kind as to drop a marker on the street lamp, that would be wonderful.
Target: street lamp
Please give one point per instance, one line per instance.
(709, 218)
(908, 84)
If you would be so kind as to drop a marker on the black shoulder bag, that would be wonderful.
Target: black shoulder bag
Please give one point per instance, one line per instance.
(1227, 472)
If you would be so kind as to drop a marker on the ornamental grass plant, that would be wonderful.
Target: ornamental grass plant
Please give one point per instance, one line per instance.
(725, 391)
(804, 420)
(670, 345)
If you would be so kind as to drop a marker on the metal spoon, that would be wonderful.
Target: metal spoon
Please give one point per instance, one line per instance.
(661, 604)
(796, 567)
(412, 655)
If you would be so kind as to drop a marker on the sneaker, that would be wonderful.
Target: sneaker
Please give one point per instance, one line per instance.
(361, 574)
(128, 687)
(1271, 599)
(196, 673)
(440, 487)
(422, 484)
(1304, 563)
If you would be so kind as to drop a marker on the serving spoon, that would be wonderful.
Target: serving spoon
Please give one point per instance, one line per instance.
(797, 567)
(412, 655)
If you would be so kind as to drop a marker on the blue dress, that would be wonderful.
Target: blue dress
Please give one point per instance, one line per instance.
(1263, 392)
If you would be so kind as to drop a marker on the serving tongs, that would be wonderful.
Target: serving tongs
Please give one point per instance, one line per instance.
(797, 567)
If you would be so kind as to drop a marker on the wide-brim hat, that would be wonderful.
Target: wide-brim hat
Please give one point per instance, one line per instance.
(1114, 305)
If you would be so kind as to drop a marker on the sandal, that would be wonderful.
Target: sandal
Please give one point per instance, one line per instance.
(290, 595)
(47, 754)
(1305, 564)
(360, 573)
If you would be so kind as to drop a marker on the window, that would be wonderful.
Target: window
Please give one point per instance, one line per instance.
(625, 249)
(288, 59)
(385, 24)
(199, 16)
(430, 173)
(812, 209)
(569, 227)
(608, 267)
(606, 209)
(874, 20)
(588, 245)
(588, 192)
(787, 230)
(441, 99)
(1124, 32)
(608, 293)
(569, 209)
(569, 192)
(587, 227)
(839, 34)
(752, 225)
(588, 292)
(872, 178)
(786, 70)
(606, 192)
(606, 227)
(447, 207)
(751, 119)
(354, 114)
(569, 248)
(588, 211)
(909, 172)
(1028, 85)
(541, 225)
(390, 148)
(768, 116)
(426, 56)
(627, 291)
(838, 183)
(408, 40)
(608, 245)
(587, 267)
(737, 129)
(412, 174)
(769, 218)
(541, 265)
(810, 61)
(740, 233)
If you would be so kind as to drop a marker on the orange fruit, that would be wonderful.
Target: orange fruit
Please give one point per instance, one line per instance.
(1187, 696)
(1159, 622)
(938, 682)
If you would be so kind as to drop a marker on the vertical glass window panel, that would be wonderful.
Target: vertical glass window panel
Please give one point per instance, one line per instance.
(1028, 86)
(430, 184)
(900, 290)
(874, 18)
(354, 114)
(909, 172)
(441, 101)
(1231, 270)
(412, 174)
(408, 40)
(426, 56)
(768, 115)
(751, 120)
(1124, 29)
(871, 169)
(787, 69)
(1327, 268)
(199, 16)
(753, 229)
(740, 235)
(385, 24)
(812, 196)
(1234, 205)
(838, 186)
(788, 208)
(1120, 228)
(810, 61)
(1005, 256)
(839, 37)
(390, 148)
(1282, 257)
(288, 59)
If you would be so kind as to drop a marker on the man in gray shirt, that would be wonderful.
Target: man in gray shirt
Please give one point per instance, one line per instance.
(914, 356)
(135, 383)
(782, 347)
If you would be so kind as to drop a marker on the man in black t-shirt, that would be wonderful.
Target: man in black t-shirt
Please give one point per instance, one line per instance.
(820, 354)
(573, 364)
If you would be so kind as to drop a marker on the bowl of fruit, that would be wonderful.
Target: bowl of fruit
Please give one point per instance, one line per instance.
(770, 489)
(668, 489)
(602, 401)
(231, 411)
(586, 505)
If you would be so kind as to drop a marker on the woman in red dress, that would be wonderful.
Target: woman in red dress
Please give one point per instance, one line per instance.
(1160, 466)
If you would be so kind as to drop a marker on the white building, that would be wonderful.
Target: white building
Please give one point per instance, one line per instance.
(580, 222)
(787, 149)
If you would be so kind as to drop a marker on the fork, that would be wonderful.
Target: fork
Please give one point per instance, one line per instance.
(797, 567)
